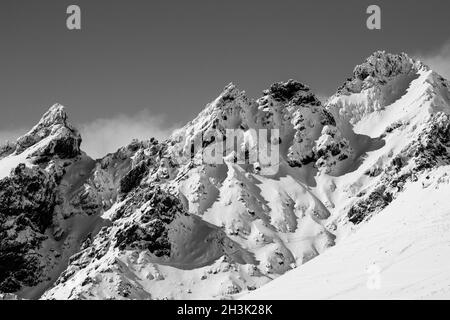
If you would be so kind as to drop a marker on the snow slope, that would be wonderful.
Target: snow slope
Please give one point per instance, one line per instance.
(402, 253)
(11, 161)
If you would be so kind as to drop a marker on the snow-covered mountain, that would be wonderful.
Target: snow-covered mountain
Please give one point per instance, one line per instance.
(353, 185)
(392, 212)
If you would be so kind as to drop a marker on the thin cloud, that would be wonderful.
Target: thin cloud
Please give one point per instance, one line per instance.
(103, 136)
(438, 60)
(11, 135)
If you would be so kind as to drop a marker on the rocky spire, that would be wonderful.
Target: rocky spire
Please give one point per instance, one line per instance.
(55, 115)
(65, 139)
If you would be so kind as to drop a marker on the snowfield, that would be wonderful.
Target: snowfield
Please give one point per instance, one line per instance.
(402, 253)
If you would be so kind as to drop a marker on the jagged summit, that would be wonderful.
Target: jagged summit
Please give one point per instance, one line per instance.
(392, 83)
(53, 120)
(53, 137)
(379, 68)
(226, 100)
(55, 115)
(63, 138)
(285, 91)
(281, 92)
(290, 107)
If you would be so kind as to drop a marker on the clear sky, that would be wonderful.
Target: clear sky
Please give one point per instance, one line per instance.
(156, 63)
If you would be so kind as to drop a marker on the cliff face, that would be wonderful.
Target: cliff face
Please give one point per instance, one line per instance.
(155, 220)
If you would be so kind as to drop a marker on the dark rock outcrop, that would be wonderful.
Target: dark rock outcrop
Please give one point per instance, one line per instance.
(27, 202)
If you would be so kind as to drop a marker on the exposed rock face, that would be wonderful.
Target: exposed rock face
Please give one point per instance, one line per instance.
(6, 149)
(27, 202)
(331, 149)
(293, 108)
(292, 89)
(429, 150)
(379, 69)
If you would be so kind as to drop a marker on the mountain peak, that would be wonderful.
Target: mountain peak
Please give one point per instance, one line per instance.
(230, 92)
(381, 88)
(56, 114)
(378, 69)
(53, 126)
(381, 64)
(286, 90)
(290, 91)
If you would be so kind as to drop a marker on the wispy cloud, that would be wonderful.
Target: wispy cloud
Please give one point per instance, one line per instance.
(438, 60)
(106, 135)
(11, 135)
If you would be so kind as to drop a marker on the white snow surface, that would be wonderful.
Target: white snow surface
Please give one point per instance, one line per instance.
(402, 253)
(11, 161)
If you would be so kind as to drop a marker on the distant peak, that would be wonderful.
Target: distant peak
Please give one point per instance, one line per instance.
(55, 115)
(53, 123)
(230, 90)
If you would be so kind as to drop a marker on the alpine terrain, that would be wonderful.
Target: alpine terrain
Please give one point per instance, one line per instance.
(343, 199)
